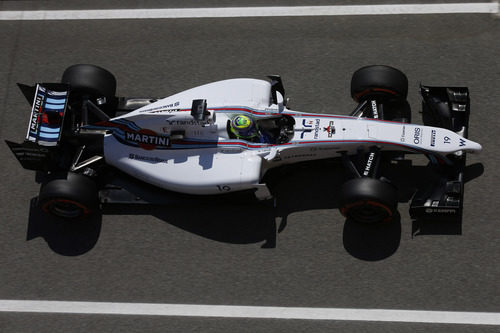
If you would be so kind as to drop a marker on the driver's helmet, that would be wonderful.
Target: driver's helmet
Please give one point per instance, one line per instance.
(244, 127)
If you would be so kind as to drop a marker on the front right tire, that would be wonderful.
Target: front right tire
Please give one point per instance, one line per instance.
(378, 81)
(385, 84)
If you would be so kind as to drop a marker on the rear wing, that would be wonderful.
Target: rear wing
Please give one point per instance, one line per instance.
(50, 101)
(47, 114)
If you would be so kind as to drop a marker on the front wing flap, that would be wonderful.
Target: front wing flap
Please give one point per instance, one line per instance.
(443, 198)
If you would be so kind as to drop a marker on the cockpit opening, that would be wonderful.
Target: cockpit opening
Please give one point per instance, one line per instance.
(275, 130)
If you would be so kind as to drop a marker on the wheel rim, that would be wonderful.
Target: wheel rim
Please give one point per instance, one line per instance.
(368, 212)
(65, 208)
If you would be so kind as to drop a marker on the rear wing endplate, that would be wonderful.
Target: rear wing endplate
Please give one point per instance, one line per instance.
(50, 101)
(47, 114)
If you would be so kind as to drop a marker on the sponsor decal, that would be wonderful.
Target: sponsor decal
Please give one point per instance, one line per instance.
(433, 138)
(316, 128)
(37, 108)
(374, 109)
(417, 135)
(37, 149)
(441, 210)
(330, 129)
(223, 188)
(34, 154)
(189, 122)
(147, 139)
(165, 111)
(128, 133)
(163, 108)
(147, 158)
(298, 156)
(323, 148)
(369, 164)
(28, 154)
(232, 150)
(307, 123)
(35, 115)
(462, 142)
(403, 134)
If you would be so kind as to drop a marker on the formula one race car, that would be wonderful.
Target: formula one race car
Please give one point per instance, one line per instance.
(225, 136)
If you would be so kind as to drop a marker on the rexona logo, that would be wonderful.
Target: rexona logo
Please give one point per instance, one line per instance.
(147, 139)
(433, 138)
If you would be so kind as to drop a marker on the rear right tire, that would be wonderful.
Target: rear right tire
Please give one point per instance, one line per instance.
(92, 82)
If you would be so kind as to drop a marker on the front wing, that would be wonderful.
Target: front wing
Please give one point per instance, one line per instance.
(447, 107)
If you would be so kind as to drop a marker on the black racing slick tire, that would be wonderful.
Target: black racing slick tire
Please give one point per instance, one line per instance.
(91, 79)
(378, 81)
(70, 196)
(93, 82)
(368, 200)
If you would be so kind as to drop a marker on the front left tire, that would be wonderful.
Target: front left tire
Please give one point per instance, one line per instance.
(368, 200)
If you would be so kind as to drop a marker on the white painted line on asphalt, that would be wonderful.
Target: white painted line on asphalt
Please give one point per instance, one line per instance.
(261, 312)
(166, 13)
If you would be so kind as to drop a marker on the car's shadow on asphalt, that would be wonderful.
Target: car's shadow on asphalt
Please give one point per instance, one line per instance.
(246, 220)
(372, 242)
(63, 237)
(302, 187)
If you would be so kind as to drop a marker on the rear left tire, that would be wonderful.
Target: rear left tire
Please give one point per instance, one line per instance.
(70, 196)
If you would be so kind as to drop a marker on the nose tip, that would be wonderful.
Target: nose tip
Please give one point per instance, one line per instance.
(473, 146)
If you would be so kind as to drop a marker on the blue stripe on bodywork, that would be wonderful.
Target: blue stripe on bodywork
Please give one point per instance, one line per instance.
(128, 123)
(56, 101)
(49, 106)
(48, 135)
(50, 129)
